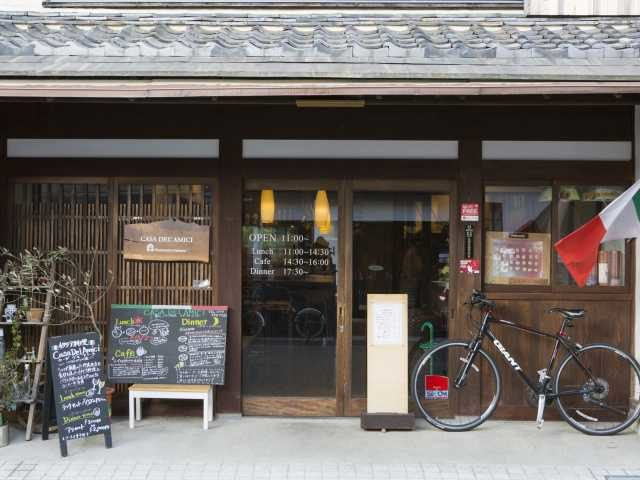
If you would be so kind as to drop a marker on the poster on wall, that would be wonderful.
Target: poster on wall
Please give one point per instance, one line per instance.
(518, 258)
(168, 240)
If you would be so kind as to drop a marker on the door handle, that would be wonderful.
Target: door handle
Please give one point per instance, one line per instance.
(341, 319)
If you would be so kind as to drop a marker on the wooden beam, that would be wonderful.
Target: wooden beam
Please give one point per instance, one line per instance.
(148, 89)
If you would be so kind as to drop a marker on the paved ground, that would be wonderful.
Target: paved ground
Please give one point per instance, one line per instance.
(321, 449)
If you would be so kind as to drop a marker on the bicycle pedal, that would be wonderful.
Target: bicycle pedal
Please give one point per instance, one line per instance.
(541, 404)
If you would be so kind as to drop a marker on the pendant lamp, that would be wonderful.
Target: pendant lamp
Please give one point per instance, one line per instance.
(267, 206)
(322, 212)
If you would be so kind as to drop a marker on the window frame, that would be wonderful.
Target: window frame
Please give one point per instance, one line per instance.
(554, 286)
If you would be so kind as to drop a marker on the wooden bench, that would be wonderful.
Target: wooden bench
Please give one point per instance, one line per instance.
(187, 392)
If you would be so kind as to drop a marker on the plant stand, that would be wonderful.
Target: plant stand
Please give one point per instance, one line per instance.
(32, 399)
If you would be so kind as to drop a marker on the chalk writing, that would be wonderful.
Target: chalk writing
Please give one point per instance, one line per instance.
(167, 344)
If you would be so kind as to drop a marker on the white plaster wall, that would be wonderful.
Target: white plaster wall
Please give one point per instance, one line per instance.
(582, 7)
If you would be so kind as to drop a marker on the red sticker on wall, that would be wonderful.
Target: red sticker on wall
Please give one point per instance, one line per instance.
(470, 266)
(470, 212)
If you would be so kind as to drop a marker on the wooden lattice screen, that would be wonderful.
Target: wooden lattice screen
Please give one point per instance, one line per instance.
(163, 283)
(80, 217)
(74, 216)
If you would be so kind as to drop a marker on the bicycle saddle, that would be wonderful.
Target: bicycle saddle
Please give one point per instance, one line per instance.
(569, 313)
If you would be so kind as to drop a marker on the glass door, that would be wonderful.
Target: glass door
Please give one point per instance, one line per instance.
(290, 239)
(400, 244)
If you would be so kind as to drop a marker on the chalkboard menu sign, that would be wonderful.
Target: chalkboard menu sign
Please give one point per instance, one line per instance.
(175, 344)
(77, 376)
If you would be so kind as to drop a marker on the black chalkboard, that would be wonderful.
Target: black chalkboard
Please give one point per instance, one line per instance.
(77, 377)
(167, 344)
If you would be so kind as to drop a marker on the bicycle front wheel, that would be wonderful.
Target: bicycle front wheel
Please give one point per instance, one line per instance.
(597, 390)
(436, 396)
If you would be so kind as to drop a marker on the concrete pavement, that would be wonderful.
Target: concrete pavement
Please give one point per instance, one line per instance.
(284, 448)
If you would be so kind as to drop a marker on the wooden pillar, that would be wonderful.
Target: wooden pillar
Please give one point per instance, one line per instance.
(636, 276)
(469, 191)
(228, 264)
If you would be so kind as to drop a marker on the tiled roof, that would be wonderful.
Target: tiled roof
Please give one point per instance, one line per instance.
(355, 46)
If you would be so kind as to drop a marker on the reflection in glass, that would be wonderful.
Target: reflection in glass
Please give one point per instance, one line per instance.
(400, 245)
(290, 248)
(577, 205)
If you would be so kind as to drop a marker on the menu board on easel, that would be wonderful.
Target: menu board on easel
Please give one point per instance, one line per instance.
(174, 344)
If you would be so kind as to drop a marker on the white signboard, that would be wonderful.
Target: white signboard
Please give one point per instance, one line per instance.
(387, 357)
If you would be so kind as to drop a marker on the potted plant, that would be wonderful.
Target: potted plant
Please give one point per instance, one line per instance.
(8, 393)
(109, 392)
(28, 312)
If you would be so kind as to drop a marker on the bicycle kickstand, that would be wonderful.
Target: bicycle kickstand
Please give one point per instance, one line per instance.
(542, 400)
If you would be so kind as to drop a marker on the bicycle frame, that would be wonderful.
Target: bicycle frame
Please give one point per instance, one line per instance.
(539, 387)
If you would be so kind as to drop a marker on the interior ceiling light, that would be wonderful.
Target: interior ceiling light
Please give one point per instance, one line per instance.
(267, 206)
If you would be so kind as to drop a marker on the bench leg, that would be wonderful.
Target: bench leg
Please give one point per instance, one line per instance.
(138, 408)
(205, 413)
(131, 410)
(211, 404)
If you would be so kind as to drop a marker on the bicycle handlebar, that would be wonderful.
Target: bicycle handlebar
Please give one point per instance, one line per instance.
(479, 298)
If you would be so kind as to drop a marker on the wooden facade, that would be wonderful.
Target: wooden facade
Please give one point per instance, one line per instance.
(96, 196)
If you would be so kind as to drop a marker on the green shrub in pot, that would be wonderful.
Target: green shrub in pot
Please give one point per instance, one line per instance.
(9, 392)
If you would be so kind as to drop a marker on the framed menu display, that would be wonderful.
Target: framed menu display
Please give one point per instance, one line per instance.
(518, 258)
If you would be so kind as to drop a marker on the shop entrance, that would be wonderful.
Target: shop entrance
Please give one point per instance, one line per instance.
(311, 254)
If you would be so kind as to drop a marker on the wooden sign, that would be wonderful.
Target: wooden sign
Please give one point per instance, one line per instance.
(77, 377)
(174, 344)
(168, 240)
(387, 363)
(518, 258)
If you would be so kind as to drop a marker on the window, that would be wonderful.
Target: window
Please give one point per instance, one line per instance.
(520, 233)
(576, 206)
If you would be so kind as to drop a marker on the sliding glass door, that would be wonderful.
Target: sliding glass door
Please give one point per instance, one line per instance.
(312, 251)
(400, 244)
(290, 282)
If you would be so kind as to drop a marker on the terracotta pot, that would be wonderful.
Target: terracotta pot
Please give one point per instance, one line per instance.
(35, 314)
(4, 435)
(109, 391)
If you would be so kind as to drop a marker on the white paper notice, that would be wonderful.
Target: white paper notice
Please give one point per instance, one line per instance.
(387, 324)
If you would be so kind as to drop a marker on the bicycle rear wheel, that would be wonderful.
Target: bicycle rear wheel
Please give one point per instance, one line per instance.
(598, 390)
(437, 398)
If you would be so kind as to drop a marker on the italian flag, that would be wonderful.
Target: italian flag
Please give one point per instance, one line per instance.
(619, 220)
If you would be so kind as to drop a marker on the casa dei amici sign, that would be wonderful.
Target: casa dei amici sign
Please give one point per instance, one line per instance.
(167, 240)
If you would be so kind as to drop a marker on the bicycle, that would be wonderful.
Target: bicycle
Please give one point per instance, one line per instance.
(456, 384)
